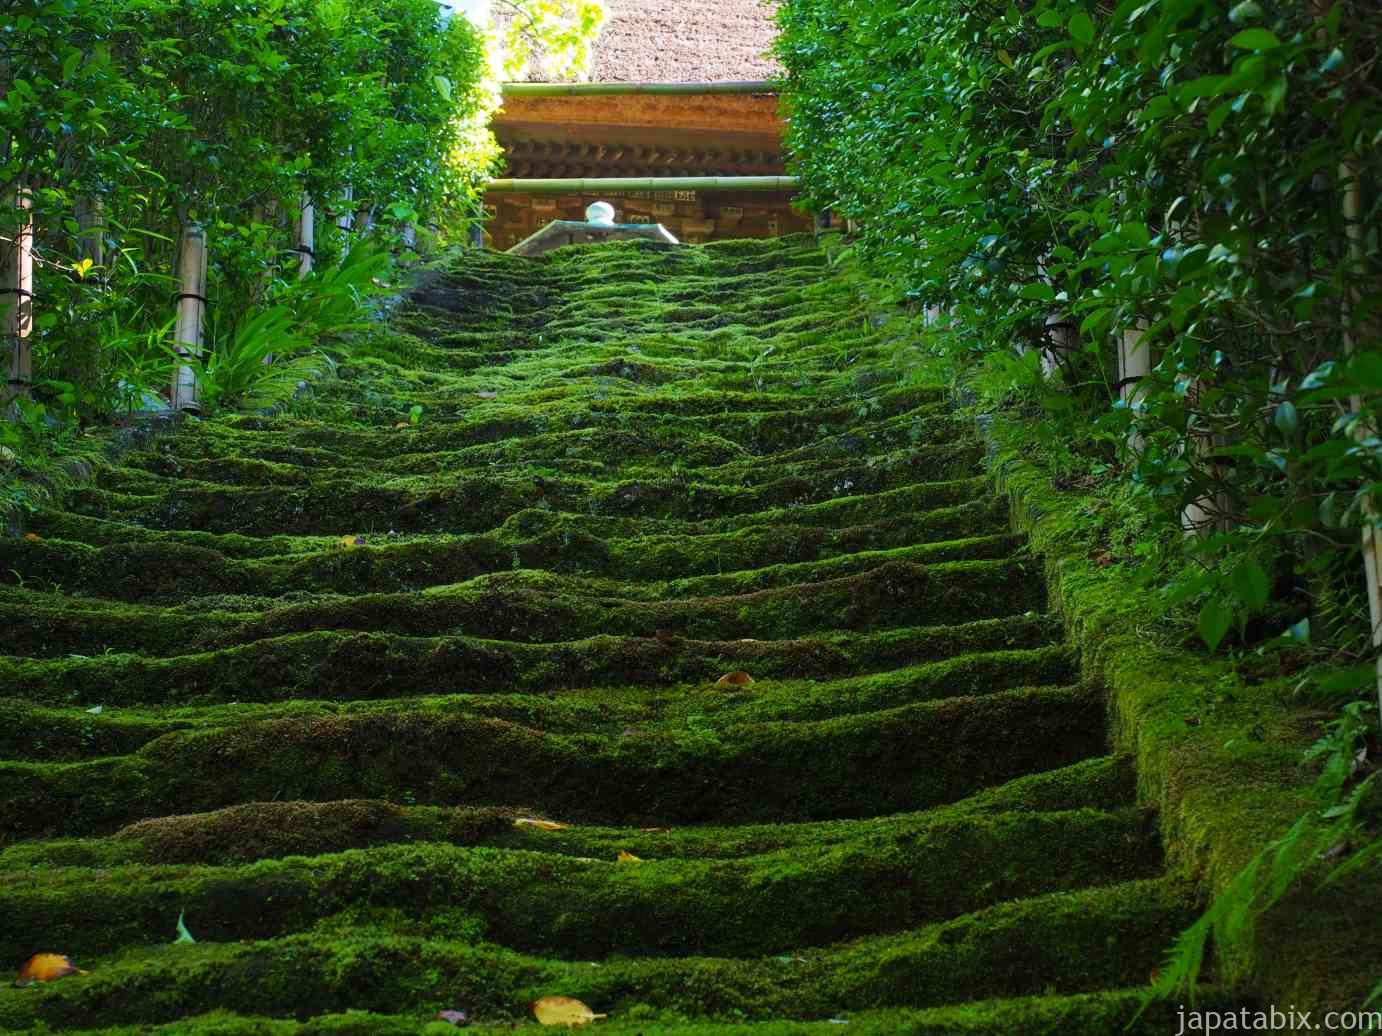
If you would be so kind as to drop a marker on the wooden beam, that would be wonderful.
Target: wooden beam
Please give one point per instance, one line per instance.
(652, 183)
(752, 86)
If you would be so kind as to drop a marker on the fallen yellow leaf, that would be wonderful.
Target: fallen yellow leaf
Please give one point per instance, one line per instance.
(735, 679)
(46, 967)
(32, 537)
(563, 1010)
(628, 857)
(541, 825)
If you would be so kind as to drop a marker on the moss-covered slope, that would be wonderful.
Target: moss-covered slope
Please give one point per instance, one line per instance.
(677, 659)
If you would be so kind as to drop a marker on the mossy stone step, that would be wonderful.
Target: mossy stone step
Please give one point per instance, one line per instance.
(1087, 1014)
(583, 908)
(473, 503)
(1053, 944)
(43, 734)
(930, 752)
(268, 830)
(338, 666)
(537, 607)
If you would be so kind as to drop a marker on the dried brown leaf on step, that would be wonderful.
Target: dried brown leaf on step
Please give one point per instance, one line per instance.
(32, 537)
(457, 1018)
(738, 678)
(46, 967)
(628, 857)
(563, 1010)
(541, 825)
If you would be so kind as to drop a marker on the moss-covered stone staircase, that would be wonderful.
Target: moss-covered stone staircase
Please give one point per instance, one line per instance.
(676, 564)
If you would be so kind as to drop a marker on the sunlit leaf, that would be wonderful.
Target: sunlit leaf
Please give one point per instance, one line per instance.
(541, 825)
(738, 678)
(47, 967)
(628, 857)
(563, 1010)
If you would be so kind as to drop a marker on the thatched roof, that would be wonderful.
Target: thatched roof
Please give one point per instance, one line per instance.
(686, 41)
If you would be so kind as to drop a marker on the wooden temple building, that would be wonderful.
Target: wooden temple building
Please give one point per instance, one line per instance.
(655, 135)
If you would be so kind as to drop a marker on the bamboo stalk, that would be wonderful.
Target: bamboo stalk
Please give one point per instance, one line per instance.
(304, 233)
(1349, 178)
(17, 298)
(191, 312)
(1134, 364)
(649, 183)
(748, 86)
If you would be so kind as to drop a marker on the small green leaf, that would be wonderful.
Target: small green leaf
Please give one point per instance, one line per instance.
(1082, 28)
(1255, 39)
(1250, 583)
(1215, 619)
(1038, 292)
(183, 934)
(1285, 418)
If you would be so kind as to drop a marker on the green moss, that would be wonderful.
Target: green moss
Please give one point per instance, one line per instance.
(243, 834)
(582, 908)
(637, 469)
(1055, 944)
(355, 666)
(1225, 787)
(1091, 1014)
(795, 770)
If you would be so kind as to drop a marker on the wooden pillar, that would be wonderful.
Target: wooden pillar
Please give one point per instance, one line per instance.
(304, 234)
(17, 299)
(191, 314)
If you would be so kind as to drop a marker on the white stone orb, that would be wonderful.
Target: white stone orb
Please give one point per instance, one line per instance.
(601, 214)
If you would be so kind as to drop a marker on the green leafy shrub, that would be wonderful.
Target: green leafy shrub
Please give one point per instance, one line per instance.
(1202, 178)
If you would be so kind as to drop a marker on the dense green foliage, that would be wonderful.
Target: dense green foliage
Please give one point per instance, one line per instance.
(124, 122)
(1199, 176)
(222, 114)
(1166, 166)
